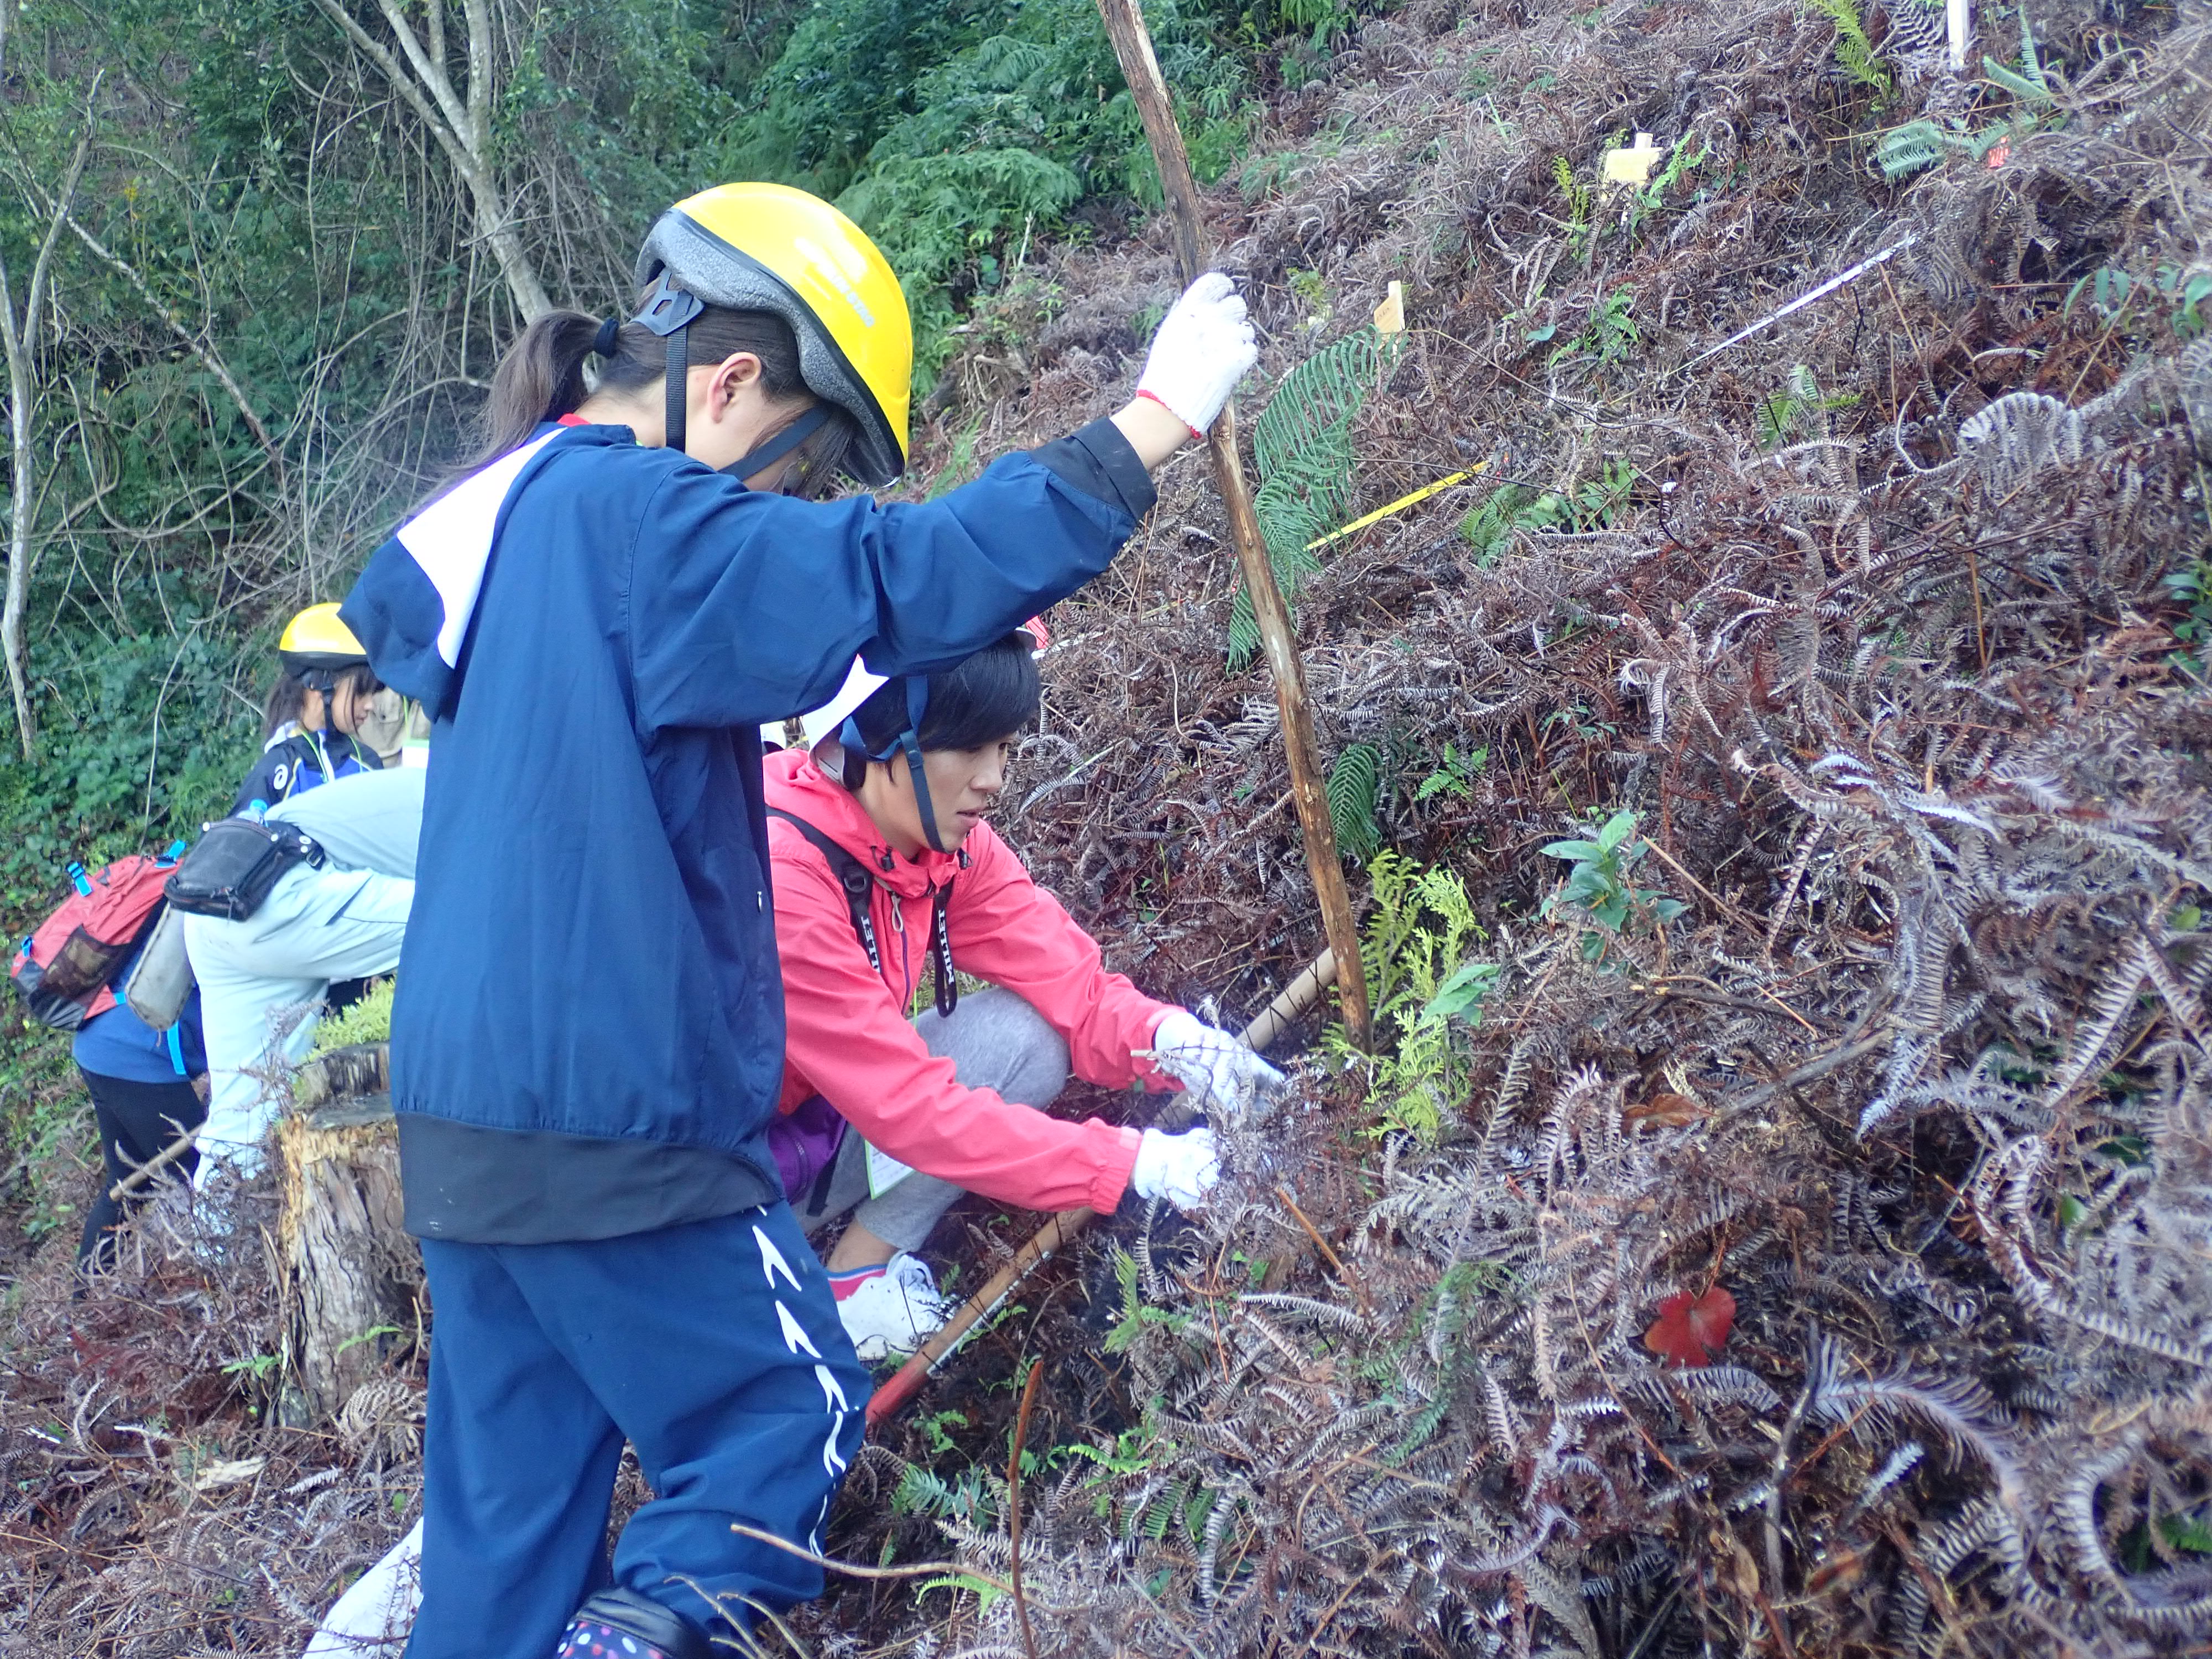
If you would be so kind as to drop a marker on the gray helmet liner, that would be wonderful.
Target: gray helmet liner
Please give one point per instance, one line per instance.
(704, 264)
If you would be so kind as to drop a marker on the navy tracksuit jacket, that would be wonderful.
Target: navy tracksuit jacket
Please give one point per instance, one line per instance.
(588, 1038)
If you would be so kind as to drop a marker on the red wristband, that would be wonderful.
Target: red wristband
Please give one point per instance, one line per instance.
(1154, 396)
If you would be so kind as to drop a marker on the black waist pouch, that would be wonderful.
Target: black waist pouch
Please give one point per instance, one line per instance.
(235, 864)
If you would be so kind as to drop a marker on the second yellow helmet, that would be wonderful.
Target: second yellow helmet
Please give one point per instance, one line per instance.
(316, 643)
(769, 248)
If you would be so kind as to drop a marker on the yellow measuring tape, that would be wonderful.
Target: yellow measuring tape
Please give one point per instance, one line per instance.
(1398, 505)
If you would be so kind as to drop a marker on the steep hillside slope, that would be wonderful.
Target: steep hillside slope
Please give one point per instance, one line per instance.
(1794, 1233)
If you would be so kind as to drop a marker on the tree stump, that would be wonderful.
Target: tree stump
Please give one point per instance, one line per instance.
(353, 1277)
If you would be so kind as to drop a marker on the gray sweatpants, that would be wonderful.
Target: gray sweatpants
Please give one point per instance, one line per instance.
(994, 1041)
(315, 926)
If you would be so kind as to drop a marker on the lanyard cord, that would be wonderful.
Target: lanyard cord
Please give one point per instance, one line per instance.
(946, 982)
(940, 950)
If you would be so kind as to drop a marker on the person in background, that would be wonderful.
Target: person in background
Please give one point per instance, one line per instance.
(343, 920)
(324, 696)
(143, 1097)
(889, 1119)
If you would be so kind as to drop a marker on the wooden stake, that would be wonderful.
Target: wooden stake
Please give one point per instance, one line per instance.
(1132, 45)
(1300, 994)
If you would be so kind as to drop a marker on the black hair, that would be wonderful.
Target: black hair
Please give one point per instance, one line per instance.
(992, 695)
(288, 698)
(541, 379)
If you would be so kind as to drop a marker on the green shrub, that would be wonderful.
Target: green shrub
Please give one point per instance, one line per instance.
(1601, 885)
(368, 1020)
(1421, 984)
(140, 742)
(950, 131)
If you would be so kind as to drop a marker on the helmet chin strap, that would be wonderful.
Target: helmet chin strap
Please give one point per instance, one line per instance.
(669, 311)
(325, 684)
(762, 456)
(910, 740)
(917, 705)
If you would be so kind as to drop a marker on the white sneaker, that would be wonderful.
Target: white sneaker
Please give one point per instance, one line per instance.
(895, 1312)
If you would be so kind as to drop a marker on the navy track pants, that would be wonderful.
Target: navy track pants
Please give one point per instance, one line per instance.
(715, 1348)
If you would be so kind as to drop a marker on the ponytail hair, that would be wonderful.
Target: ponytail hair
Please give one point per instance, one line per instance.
(287, 700)
(541, 379)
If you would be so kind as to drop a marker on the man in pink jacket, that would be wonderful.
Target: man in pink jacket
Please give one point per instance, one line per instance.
(886, 878)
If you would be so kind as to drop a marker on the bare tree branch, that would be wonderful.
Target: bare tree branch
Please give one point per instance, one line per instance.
(20, 338)
(208, 359)
(459, 118)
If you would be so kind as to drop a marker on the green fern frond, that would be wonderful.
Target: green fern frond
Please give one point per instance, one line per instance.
(1775, 419)
(2030, 89)
(1355, 785)
(921, 1493)
(1912, 148)
(2030, 59)
(1578, 194)
(1303, 443)
(1243, 631)
(1161, 1514)
(1420, 1428)
(1317, 399)
(1855, 53)
(2028, 82)
(1446, 894)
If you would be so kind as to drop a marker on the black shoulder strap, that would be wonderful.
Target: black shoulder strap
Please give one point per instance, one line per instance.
(940, 953)
(851, 876)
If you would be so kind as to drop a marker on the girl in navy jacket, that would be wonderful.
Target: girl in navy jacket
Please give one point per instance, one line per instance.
(588, 1038)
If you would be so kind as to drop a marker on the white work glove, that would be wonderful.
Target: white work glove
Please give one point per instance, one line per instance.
(1218, 1072)
(1202, 347)
(1182, 1169)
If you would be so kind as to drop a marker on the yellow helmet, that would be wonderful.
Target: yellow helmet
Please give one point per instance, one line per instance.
(769, 248)
(316, 645)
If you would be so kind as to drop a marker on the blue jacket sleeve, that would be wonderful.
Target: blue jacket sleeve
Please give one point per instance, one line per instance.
(746, 607)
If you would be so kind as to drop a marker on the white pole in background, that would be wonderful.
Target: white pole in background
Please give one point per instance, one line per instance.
(1959, 14)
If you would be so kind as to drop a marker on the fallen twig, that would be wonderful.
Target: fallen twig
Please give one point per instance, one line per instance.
(1014, 1505)
(154, 1165)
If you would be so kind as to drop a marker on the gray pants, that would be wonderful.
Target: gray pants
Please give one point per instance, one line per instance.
(995, 1041)
(315, 926)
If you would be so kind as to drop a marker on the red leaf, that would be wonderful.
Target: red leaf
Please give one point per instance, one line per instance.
(1664, 1111)
(1690, 1329)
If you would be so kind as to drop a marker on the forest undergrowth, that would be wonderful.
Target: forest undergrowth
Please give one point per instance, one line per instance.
(1778, 1219)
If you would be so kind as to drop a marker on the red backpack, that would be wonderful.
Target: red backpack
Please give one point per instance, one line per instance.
(62, 971)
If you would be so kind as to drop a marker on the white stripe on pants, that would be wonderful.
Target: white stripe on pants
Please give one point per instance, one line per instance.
(316, 926)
